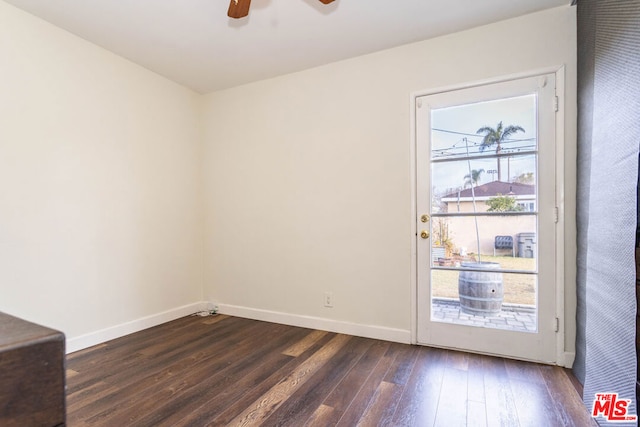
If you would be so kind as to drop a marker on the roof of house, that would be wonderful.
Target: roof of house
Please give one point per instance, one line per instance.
(494, 188)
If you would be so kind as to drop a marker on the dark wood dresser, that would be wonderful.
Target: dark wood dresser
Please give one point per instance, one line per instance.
(32, 374)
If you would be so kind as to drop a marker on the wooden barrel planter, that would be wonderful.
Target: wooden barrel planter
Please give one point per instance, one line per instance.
(481, 292)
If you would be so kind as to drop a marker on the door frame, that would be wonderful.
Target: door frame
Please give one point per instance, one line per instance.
(562, 357)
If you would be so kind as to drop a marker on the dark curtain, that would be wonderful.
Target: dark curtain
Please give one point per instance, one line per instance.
(608, 143)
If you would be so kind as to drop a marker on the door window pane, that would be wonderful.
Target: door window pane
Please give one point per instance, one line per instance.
(483, 214)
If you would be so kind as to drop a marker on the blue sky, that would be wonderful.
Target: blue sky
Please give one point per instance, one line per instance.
(448, 140)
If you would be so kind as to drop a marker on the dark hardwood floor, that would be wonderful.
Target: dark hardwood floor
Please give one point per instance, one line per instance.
(221, 370)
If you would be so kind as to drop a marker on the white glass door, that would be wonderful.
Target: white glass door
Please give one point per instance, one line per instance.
(486, 218)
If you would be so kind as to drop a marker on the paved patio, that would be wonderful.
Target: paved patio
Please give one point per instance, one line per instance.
(513, 317)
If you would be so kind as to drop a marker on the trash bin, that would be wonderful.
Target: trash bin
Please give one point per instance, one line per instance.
(527, 245)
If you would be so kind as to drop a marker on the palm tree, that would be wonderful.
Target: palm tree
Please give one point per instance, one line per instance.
(471, 180)
(497, 136)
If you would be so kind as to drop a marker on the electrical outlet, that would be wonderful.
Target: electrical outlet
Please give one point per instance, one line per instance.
(328, 299)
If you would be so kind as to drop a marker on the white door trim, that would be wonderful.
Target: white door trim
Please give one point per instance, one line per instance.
(563, 358)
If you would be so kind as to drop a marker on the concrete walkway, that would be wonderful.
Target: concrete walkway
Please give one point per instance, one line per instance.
(513, 317)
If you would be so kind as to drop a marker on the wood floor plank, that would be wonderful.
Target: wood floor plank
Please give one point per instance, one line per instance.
(476, 414)
(342, 395)
(523, 371)
(129, 343)
(88, 353)
(180, 338)
(210, 320)
(301, 404)
(114, 359)
(534, 405)
(576, 383)
(500, 403)
(223, 370)
(155, 378)
(101, 390)
(100, 372)
(382, 406)
(458, 360)
(78, 401)
(213, 372)
(251, 395)
(217, 392)
(475, 379)
(262, 408)
(452, 405)
(301, 346)
(362, 399)
(400, 372)
(419, 401)
(192, 346)
(321, 417)
(568, 404)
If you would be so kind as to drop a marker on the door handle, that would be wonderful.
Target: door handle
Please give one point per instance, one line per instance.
(424, 234)
(425, 218)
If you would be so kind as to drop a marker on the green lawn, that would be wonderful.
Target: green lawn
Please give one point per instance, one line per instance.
(518, 288)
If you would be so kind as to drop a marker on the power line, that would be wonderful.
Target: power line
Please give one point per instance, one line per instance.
(456, 133)
(479, 136)
(524, 150)
(455, 151)
(475, 135)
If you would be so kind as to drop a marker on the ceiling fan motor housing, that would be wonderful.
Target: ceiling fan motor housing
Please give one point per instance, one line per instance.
(240, 8)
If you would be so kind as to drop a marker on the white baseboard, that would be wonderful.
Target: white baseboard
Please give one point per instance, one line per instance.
(569, 358)
(98, 337)
(348, 328)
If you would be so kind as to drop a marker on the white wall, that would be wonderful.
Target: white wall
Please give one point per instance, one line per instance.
(100, 185)
(308, 179)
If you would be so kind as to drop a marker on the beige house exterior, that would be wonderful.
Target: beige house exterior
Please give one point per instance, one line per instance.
(461, 230)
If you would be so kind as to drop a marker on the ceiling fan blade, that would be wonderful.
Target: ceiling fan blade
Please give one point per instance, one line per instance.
(326, 1)
(239, 8)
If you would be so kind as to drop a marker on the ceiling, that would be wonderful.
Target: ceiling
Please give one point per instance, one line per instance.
(194, 43)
